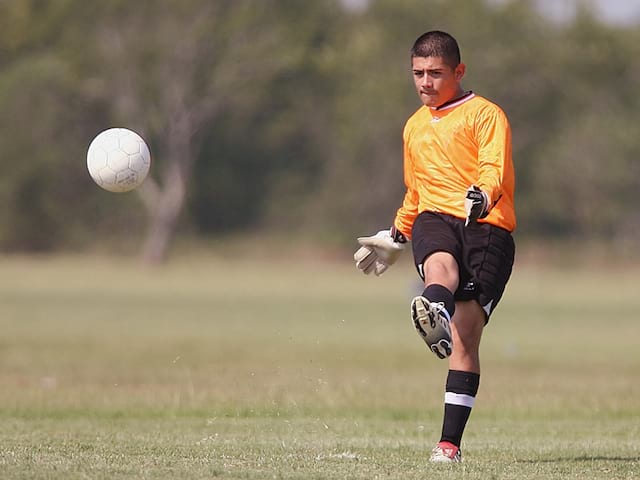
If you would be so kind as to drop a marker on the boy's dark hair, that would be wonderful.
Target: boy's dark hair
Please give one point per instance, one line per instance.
(437, 44)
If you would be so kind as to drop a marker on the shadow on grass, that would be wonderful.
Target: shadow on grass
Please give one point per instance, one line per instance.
(583, 459)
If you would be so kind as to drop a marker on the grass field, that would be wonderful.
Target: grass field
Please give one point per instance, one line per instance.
(208, 368)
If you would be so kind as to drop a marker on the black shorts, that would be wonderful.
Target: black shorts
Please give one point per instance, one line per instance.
(484, 253)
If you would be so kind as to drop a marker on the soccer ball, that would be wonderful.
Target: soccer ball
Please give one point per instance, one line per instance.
(118, 160)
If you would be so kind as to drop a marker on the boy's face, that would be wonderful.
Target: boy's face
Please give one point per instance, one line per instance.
(435, 81)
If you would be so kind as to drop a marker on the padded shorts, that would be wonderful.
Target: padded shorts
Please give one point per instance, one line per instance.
(484, 252)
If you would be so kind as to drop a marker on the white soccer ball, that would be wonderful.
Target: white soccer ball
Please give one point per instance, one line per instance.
(118, 160)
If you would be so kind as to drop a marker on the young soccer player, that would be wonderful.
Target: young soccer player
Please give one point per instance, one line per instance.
(458, 213)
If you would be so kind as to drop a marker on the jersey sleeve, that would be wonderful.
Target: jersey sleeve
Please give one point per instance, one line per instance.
(494, 149)
(407, 213)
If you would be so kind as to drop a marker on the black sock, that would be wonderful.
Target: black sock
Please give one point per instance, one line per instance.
(460, 396)
(439, 293)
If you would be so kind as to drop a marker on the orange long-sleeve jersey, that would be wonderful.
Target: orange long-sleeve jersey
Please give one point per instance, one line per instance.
(446, 150)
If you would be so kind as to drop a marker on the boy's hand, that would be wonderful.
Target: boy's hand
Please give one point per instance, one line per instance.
(476, 204)
(379, 252)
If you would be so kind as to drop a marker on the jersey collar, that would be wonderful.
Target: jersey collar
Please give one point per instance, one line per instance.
(468, 95)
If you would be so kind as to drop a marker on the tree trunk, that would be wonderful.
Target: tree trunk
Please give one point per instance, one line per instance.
(165, 206)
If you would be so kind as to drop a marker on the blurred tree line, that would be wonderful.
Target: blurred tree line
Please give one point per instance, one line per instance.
(286, 116)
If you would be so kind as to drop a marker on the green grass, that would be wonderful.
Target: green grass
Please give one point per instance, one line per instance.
(208, 368)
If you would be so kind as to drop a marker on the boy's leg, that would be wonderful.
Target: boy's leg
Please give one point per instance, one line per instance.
(432, 311)
(463, 379)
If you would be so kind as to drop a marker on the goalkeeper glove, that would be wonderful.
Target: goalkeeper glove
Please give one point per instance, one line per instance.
(476, 204)
(380, 251)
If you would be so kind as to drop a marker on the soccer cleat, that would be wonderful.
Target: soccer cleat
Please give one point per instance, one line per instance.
(446, 452)
(431, 321)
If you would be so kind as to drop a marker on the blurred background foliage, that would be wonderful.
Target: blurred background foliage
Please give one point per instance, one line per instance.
(285, 117)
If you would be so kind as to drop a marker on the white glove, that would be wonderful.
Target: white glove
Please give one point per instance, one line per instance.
(476, 204)
(379, 252)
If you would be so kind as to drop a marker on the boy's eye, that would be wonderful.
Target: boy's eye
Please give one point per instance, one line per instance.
(431, 73)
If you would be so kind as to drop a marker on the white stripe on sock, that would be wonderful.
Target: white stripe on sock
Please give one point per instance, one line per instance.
(459, 399)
